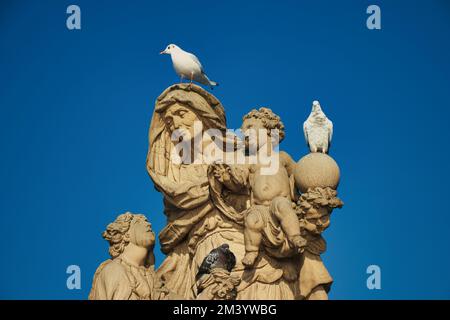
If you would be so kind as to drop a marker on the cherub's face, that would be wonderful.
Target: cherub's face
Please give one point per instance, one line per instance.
(141, 233)
(178, 117)
(319, 217)
(252, 128)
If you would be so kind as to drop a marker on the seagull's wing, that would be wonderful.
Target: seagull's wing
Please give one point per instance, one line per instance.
(193, 57)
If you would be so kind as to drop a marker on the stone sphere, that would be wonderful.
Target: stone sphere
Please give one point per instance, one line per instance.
(316, 170)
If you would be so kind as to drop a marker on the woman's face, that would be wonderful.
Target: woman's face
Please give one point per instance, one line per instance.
(178, 117)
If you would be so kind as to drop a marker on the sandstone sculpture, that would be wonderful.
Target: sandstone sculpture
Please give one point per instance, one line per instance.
(129, 274)
(251, 202)
(270, 193)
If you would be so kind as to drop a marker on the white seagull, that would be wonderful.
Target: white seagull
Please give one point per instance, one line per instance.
(318, 130)
(187, 65)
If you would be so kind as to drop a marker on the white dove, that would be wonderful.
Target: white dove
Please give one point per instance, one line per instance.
(187, 66)
(318, 130)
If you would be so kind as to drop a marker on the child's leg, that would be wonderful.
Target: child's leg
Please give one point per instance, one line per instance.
(254, 225)
(282, 209)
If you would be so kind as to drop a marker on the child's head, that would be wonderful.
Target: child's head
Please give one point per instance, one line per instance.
(263, 119)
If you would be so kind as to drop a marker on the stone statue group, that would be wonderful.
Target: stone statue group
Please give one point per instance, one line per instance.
(233, 231)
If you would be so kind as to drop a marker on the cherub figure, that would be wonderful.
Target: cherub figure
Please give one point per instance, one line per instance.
(271, 192)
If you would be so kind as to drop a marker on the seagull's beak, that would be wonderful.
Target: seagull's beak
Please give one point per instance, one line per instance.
(163, 52)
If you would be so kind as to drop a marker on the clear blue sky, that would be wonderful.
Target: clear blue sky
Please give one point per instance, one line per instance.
(76, 105)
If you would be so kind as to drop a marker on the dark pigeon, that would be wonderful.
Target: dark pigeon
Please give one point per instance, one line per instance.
(220, 257)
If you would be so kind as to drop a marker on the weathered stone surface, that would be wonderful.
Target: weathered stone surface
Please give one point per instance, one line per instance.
(129, 274)
(316, 170)
(270, 213)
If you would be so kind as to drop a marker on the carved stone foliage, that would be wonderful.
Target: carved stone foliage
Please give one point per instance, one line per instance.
(220, 284)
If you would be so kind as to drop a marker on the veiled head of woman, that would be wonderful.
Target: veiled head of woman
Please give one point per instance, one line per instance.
(181, 112)
(185, 109)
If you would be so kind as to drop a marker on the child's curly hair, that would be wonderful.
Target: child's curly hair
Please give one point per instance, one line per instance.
(269, 119)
